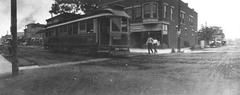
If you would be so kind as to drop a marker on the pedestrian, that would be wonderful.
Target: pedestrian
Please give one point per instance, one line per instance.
(155, 44)
(149, 44)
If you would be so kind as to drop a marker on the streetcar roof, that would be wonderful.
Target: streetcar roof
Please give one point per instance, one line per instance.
(118, 12)
(98, 13)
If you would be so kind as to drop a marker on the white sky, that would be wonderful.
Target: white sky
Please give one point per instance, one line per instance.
(222, 13)
(28, 11)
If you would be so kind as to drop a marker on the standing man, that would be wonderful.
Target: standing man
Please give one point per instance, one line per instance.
(155, 44)
(149, 44)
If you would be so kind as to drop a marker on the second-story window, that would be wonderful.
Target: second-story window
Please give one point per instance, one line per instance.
(150, 10)
(147, 11)
(154, 10)
(191, 20)
(182, 16)
(165, 10)
(171, 12)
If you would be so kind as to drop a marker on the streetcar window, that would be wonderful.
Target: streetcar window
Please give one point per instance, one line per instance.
(53, 32)
(129, 12)
(65, 28)
(116, 24)
(70, 29)
(75, 28)
(82, 26)
(50, 32)
(46, 34)
(57, 31)
(61, 30)
(124, 25)
(90, 26)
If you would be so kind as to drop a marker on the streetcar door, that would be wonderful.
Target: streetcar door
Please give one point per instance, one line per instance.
(104, 31)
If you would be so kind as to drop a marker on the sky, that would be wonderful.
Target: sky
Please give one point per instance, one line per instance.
(28, 11)
(223, 13)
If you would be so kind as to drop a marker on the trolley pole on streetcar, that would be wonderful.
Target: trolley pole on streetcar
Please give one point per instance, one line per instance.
(13, 42)
(179, 27)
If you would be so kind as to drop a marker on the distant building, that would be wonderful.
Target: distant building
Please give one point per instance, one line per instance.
(32, 35)
(30, 32)
(20, 35)
(160, 19)
(6, 38)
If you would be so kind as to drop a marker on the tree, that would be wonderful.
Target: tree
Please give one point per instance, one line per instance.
(74, 6)
(208, 33)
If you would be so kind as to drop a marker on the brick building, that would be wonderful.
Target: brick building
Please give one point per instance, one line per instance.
(160, 19)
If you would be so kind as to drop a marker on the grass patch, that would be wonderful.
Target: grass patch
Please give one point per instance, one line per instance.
(38, 56)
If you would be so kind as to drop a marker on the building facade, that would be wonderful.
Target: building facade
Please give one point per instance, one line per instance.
(30, 31)
(160, 19)
(32, 35)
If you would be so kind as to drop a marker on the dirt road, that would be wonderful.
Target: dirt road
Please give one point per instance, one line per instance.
(213, 72)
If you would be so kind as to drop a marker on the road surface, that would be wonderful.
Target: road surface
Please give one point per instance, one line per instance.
(215, 71)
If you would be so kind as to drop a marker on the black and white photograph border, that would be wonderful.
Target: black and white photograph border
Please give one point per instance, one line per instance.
(119, 47)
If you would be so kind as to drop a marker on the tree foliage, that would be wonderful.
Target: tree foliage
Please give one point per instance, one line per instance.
(207, 33)
(74, 6)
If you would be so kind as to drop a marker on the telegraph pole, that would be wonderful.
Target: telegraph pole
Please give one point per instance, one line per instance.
(179, 26)
(13, 43)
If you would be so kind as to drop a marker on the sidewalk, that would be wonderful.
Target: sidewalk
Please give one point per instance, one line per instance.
(160, 51)
(64, 64)
(5, 65)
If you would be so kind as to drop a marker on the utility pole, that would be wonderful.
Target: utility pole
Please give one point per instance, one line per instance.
(179, 26)
(13, 43)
